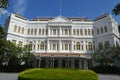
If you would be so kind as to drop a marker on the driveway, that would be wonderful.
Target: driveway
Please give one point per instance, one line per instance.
(108, 77)
(8, 76)
(14, 76)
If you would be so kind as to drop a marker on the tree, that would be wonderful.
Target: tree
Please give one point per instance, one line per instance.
(116, 9)
(4, 4)
(106, 57)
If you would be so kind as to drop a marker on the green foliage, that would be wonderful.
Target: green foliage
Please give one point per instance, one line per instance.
(116, 9)
(106, 56)
(4, 4)
(106, 69)
(57, 74)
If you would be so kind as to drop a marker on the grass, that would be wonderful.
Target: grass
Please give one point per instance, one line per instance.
(57, 74)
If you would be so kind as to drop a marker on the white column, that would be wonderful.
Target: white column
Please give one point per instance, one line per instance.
(60, 46)
(48, 46)
(72, 46)
(71, 31)
(84, 45)
(60, 31)
(48, 30)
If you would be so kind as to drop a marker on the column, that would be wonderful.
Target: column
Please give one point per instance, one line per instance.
(48, 46)
(60, 46)
(72, 46)
(85, 64)
(80, 64)
(36, 47)
(84, 45)
(39, 63)
(72, 63)
(47, 63)
(59, 63)
(60, 31)
(48, 30)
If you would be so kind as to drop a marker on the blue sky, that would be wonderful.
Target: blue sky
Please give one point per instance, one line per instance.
(50, 8)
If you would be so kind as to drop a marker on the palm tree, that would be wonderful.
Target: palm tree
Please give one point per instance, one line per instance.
(116, 9)
(4, 4)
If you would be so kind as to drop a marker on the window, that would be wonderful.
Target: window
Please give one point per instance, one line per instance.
(81, 32)
(30, 45)
(89, 32)
(19, 29)
(66, 32)
(31, 31)
(74, 31)
(28, 31)
(54, 31)
(20, 44)
(54, 47)
(77, 31)
(92, 32)
(43, 31)
(35, 31)
(14, 42)
(89, 46)
(78, 45)
(101, 30)
(105, 28)
(100, 45)
(46, 31)
(42, 46)
(66, 46)
(85, 31)
(98, 31)
(107, 44)
(22, 30)
(39, 31)
(15, 28)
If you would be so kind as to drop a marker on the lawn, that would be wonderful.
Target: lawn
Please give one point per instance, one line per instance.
(57, 74)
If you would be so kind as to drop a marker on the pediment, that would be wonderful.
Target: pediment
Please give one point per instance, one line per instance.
(60, 19)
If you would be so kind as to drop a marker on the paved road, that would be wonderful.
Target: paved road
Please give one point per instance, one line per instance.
(14, 76)
(108, 77)
(8, 76)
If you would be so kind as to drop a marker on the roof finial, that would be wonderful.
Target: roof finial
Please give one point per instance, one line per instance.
(60, 4)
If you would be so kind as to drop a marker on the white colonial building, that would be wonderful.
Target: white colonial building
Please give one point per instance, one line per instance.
(61, 41)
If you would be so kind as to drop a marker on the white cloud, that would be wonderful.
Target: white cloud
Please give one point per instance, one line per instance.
(5, 12)
(19, 6)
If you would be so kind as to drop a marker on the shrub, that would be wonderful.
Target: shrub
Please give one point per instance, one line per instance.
(106, 69)
(57, 74)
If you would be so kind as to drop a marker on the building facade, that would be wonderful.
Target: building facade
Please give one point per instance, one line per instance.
(60, 41)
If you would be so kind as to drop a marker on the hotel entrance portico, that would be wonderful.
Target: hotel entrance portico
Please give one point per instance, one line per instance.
(61, 60)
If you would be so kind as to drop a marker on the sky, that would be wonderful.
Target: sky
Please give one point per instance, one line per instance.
(53, 8)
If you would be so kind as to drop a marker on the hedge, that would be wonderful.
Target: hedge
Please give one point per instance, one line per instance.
(57, 74)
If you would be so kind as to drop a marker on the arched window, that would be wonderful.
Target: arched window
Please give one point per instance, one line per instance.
(100, 45)
(85, 31)
(101, 30)
(31, 31)
(89, 32)
(98, 32)
(66, 46)
(15, 28)
(78, 45)
(42, 46)
(90, 46)
(19, 29)
(22, 30)
(28, 31)
(81, 32)
(105, 28)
